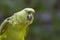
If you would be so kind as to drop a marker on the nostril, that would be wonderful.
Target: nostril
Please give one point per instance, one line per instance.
(29, 17)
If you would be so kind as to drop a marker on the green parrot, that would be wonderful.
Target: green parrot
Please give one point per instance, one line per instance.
(15, 27)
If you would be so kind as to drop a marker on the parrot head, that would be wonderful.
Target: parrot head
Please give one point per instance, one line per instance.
(27, 15)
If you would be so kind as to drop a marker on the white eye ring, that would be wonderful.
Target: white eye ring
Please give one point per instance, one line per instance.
(29, 17)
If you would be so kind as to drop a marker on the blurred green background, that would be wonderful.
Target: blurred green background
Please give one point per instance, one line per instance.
(46, 25)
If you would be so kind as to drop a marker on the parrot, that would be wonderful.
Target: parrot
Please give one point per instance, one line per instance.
(15, 27)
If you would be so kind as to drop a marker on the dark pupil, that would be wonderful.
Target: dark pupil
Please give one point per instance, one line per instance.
(29, 17)
(29, 12)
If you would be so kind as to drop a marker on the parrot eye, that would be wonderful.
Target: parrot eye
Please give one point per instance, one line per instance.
(29, 12)
(29, 17)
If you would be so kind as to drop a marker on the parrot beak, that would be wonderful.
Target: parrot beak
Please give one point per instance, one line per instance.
(29, 17)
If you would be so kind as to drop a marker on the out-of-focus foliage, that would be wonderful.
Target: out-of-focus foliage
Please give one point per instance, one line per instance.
(46, 25)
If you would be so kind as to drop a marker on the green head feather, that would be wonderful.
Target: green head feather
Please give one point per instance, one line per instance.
(14, 27)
